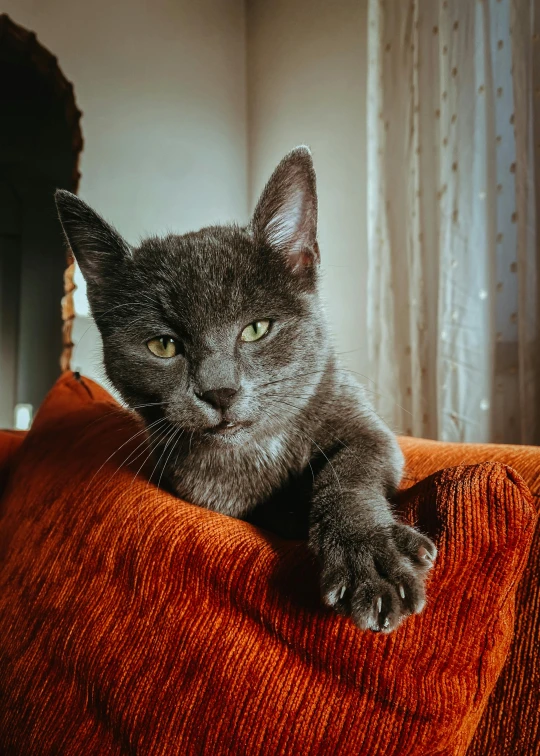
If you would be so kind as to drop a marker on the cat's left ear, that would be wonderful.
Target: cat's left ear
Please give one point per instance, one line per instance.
(285, 218)
(98, 247)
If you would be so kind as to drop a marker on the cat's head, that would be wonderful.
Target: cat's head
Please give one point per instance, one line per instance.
(220, 330)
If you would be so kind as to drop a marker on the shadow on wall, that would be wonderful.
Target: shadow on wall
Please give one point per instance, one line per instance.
(40, 143)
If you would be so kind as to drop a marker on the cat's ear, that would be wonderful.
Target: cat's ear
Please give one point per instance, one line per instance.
(286, 214)
(98, 247)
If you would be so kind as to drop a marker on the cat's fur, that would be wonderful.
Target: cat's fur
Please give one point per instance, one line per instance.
(312, 448)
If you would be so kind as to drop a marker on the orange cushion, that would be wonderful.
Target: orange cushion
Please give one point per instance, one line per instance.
(131, 621)
(510, 723)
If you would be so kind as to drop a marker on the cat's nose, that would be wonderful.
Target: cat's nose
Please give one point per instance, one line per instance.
(220, 398)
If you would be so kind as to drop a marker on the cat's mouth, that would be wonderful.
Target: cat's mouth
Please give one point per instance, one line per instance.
(227, 428)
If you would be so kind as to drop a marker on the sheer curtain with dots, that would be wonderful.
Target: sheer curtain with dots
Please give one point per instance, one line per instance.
(453, 305)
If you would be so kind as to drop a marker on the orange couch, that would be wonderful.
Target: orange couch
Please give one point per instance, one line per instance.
(510, 725)
(133, 622)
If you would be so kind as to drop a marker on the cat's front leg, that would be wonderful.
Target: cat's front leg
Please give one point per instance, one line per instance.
(373, 566)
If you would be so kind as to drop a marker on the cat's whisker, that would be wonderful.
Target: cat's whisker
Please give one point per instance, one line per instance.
(101, 314)
(87, 488)
(290, 378)
(310, 396)
(169, 434)
(144, 442)
(115, 411)
(373, 393)
(149, 404)
(404, 475)
(127, 326)
(125, 410)
(295, 430)
(312, 473)
(153, 444)
(350, 351)
(130, 458)
(327, 426)
(179, 434)
(131, 438)
(130, 303)
(324, 455)
(336, 367)
(397, 431)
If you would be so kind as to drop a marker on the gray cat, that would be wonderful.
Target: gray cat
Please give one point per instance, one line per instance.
(217, 338)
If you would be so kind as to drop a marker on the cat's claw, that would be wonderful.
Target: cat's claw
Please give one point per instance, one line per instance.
(424, 554)
(377, 580)
(335, 596)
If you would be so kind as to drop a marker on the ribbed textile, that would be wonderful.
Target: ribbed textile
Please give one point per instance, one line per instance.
(510, 725)
(9, 443)
(132, 622)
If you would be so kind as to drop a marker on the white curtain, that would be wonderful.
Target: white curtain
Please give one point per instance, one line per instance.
(453, 306)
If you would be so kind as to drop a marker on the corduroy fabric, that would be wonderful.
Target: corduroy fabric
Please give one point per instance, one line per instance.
(9, 443)
(132, 622)
(510, 725)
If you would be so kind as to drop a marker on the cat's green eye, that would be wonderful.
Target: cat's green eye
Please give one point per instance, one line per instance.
(255, 331)
(164, 347)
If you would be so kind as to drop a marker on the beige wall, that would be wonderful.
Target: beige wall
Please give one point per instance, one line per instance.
(162, 89)
(307, 66)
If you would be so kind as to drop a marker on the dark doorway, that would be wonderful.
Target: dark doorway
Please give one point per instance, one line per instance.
(40, 142)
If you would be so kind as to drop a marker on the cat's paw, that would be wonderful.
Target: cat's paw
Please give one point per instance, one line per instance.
(376, 578)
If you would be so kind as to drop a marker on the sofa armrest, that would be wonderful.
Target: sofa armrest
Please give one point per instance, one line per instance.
(424, 457)
(131, 620)
(510, 722)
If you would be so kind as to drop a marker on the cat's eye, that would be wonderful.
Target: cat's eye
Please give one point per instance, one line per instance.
(255, 331)
(163, 346)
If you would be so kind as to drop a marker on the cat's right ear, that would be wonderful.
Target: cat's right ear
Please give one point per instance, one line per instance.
(98, 247)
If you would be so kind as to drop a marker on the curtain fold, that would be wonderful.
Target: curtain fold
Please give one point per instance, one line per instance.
(453, 288)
